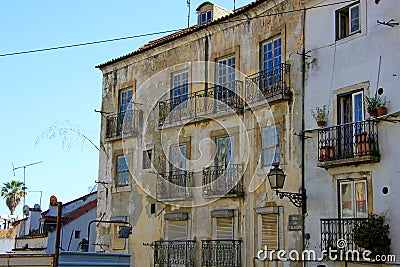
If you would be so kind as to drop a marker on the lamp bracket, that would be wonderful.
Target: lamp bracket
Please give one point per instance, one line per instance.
(295, 198)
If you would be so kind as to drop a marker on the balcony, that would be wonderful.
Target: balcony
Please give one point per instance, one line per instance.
(201, 105)
(119, 125)
(223, 181)
(334, 230)
(350, 143)
(271, 85)
(174, 186)
(174, 253)
(221, 253)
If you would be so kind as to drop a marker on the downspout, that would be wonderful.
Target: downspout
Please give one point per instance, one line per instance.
(303, 188)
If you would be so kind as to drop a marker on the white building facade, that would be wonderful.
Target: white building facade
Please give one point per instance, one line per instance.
(351, 164)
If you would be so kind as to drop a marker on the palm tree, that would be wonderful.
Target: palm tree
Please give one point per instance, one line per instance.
(12, 192)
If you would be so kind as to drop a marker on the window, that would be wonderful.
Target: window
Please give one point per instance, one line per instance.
(347, 21)
(225, 152)
(271, 59)
(177, 230)
(77, 234)
(225, 77)
(178, 158)
(147, 159)
(123, 174)
(353, 199)
(269, 231)
(224, 228)
(205, 17)
(180, 89)
(270, 146)
(124, 104)
(351, 107)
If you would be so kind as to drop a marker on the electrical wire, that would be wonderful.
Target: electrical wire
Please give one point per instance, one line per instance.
(162, 32)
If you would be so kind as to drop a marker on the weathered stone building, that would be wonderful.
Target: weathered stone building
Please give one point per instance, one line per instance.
(191, 125)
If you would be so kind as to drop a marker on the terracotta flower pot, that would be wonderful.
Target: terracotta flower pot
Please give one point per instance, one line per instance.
(321, 123)
(381, 111)
(372, 112)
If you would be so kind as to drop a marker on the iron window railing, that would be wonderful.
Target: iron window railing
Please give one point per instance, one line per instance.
(174, 253)
(335, 231)
(348, 140)
(174, 185)
(223, 180)
(123, 124)
(221, 253)
(200, 104)
(269, 84)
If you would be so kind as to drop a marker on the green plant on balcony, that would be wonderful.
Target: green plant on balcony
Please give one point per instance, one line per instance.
(320, 115)
(373, 235)
(375, 105)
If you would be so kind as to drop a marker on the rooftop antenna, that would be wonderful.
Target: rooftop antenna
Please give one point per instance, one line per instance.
(188, 4)
(24, 167)
(234, 5)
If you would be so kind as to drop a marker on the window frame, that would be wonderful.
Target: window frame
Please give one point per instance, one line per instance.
(179, 146)
(354, 200)
(225, 74)
(125, 106)
(230, 157)
(207, 19)
(274, 57)
(345, 13)
(180, 97)
(275, 146)
(118, 172)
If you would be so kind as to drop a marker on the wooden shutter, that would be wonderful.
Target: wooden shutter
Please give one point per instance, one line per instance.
(118, 243)
(224, 228)
(177, 230)
(269, 231)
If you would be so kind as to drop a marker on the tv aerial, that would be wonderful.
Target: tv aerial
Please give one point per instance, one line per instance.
(24, 167)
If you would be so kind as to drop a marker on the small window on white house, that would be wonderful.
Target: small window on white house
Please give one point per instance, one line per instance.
(270, 146)
(353, 199)
(205, 17)
(77, 234)
(348, 21)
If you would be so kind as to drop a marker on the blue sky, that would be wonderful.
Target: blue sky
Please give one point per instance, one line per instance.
(62, 87)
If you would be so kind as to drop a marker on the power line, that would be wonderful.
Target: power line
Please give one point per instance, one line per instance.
(88, 43)
(167, 31)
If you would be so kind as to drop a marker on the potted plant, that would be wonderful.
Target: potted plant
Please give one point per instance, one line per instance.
(375, 106)
(320, 115)
(373, 234)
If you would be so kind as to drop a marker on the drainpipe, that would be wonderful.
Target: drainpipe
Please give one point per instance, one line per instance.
(303, 184)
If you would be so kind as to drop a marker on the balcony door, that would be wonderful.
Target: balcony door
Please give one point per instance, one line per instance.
(351, 108)
(125, 113)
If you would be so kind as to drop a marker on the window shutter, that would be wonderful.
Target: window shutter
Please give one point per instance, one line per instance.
(269, 231)
(177, 230)
(224, 228)
(118, 243)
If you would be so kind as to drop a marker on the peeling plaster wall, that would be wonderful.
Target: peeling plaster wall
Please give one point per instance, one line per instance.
(243, 39)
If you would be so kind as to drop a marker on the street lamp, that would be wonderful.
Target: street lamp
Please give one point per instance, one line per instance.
(276, 178)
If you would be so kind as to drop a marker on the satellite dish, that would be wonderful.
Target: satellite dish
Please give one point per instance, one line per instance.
(124, 231)
(26, 210)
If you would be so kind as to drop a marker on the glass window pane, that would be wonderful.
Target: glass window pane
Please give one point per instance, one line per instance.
(346, 200)
(361, 199)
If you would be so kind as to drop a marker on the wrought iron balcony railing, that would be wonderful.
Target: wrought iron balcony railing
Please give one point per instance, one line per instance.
(174, 185)
(174, 253)
(201, 104)
(350, 140)
(123, 124)
(221, 253)
(334, 231)
(270, 84)
(223, 180)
